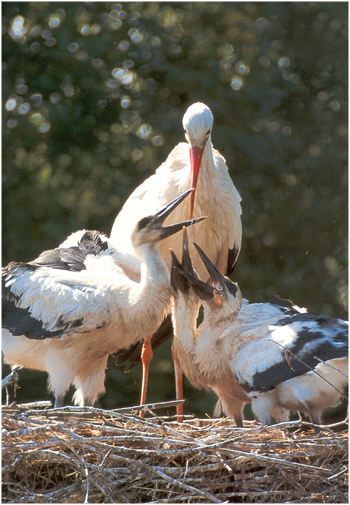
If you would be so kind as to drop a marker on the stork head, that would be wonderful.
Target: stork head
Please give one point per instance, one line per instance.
(223, 291)
(197, 123)
(149, 230)
(222, 294)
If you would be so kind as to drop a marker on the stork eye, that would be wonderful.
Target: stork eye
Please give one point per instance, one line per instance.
(143, 223)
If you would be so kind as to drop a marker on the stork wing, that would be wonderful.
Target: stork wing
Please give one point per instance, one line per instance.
(294, 347)
(288, 307)
(62, 291)
(43, 302)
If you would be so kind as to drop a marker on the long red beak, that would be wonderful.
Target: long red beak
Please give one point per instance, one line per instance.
(195, 161)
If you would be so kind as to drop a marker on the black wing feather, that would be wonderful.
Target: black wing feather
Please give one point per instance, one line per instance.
(329, 340)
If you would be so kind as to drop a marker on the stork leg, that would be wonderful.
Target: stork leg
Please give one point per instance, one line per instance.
(146, 356)
(59, 401)
(178, 384)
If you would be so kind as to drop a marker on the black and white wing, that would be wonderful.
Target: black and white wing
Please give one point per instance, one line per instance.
(64, 290)
(286, 306)
(294, 346)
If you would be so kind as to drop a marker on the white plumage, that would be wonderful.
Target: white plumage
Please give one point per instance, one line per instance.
(198, 165)
(263, 353)
(66, 311)
(215, 196)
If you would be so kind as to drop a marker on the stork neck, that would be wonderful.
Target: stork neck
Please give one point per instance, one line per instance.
(153, 270)
(223, 315)
(151, 297)
(184, 317)
(207, 173)
(208, 165)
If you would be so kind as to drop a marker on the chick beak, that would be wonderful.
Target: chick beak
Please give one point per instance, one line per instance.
(162, 214)
(203, 290)
(186, 258)
(177, 281)
(167, 231)
(217, 278)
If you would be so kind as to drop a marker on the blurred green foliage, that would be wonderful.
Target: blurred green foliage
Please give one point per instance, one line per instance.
(93, 97)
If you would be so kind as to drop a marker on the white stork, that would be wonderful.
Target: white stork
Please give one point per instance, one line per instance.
(202, 359)
(195, 164)
(281, 357)
(66, 311)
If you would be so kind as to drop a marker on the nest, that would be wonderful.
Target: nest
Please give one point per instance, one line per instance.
(76, 455)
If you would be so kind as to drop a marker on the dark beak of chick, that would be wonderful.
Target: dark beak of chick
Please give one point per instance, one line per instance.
(162, 214)
(220, 282)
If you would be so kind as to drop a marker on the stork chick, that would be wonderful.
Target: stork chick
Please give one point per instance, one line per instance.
(66, 311)
(203, 357)
(284, 358)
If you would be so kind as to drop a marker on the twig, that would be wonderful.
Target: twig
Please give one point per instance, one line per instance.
(337, 474)
(56, 495)
(121, 458)
(185, 486)
(277, 460)
(334, 367)
(26, 406)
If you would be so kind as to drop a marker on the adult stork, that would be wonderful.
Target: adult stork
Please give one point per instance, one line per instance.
(283, 358)
(66, 311)
(195, 164)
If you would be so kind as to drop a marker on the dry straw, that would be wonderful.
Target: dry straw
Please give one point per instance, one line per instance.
(75, 455)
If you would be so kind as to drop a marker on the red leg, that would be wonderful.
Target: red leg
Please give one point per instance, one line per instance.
(178, 384)
(146, 356)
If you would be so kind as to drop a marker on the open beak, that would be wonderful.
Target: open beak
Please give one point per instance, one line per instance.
(186, 258)
(216, 276)
(203, 290)
(196, 154)
(220, 282)
(183, 275)
(177, 279)
(162, 214)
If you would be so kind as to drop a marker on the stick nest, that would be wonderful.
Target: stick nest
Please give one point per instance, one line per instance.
(75, 455)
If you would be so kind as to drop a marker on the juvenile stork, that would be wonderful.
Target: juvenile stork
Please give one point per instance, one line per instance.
(66, 311)
(202, 359)
(195, 164)
(283, 358)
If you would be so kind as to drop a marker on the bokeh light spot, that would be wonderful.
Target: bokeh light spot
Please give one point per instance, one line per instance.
(73, 47)
(11, 104)
(24, 109)
(283, 63)
(236, 83)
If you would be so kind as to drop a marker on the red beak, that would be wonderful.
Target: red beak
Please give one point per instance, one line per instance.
(195, 161)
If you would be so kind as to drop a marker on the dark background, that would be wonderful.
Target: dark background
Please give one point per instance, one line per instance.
(93, 98)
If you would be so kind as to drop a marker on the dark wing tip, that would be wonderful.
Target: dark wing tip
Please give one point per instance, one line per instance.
(231, 260)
